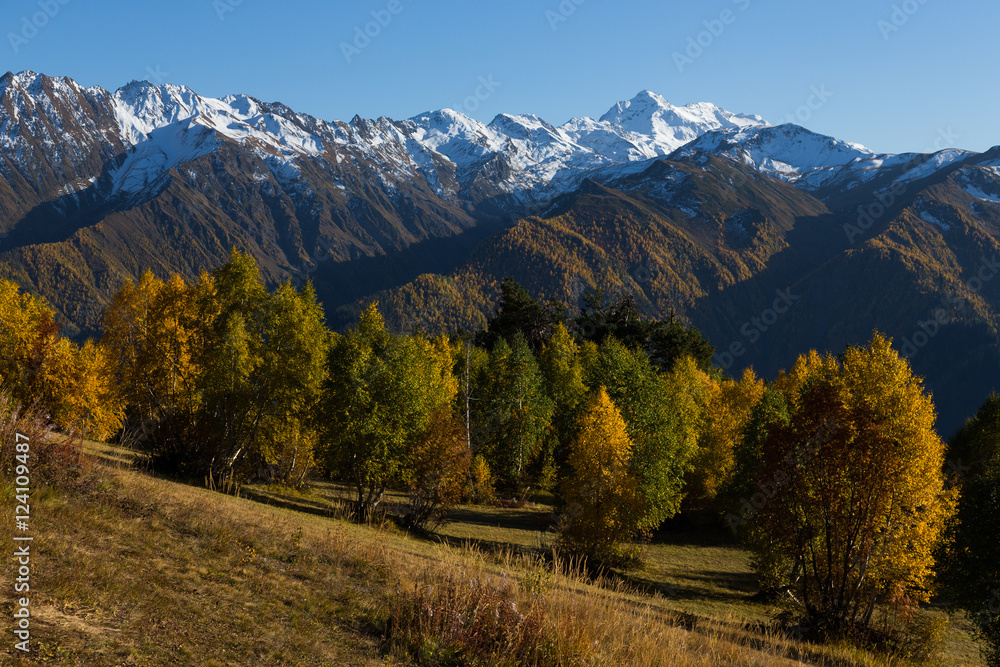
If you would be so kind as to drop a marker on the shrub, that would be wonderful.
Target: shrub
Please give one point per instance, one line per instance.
(53, 460)
(460, 620)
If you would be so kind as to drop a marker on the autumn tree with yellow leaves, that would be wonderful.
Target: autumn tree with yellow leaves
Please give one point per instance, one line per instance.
(219, 375)
(728, 406)
(854, 498)
(38, 366)
(603, 505)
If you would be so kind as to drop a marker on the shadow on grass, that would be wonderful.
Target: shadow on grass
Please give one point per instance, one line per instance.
(532, 520)
(700, 585)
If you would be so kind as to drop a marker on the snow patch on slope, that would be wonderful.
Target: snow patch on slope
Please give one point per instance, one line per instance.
(929, 217)
(935, 163)
(983, 183)
(146, 166)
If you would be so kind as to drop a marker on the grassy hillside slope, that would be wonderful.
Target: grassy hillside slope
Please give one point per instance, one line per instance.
(133, 570)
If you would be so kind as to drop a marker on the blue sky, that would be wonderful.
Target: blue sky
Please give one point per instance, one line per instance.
(896, 75)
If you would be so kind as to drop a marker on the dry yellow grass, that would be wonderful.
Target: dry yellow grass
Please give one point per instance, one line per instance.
(143, 571)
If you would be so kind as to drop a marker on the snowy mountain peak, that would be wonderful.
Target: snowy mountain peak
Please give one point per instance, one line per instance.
(448, 120)
(645, 103)
(646, 109)
(789, 152)
(523, 126)
(24, 78)
(657, 127)
(454, 135)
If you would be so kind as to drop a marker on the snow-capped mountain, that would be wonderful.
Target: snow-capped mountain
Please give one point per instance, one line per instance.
(659, 128)
(158, 175)
(547, 160)
(125, 144)
(163, 126)
(789, 152)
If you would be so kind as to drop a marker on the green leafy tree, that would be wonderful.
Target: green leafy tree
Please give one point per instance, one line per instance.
(470, 360)
(293, 368)
(513, 415)
(750, 486)
(562, 374)
(232, 393)
(970, 559)
(381, 393)
(662, 417)
(264, 367)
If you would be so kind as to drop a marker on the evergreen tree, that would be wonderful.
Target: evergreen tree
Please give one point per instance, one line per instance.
(665, 341)
(519, 313)
(971, 557)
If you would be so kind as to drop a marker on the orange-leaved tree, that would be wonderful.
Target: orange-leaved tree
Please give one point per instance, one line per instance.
(438, 470)
(858, 501)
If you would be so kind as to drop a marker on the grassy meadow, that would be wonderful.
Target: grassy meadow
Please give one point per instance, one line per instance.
(131, 569)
